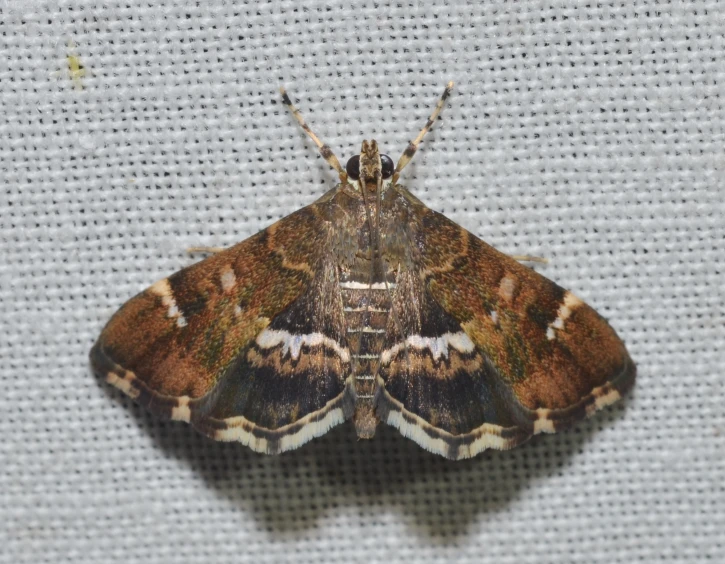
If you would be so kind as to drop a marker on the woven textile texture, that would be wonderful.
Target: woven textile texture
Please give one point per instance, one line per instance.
(591, 133)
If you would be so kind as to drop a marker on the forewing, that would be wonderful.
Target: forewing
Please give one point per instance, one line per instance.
(246, 345)
(492, 352)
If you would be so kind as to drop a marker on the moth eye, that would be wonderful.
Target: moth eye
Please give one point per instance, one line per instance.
(387, 166)
(353, 167)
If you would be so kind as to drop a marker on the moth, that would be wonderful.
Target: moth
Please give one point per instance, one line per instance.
(365, 305)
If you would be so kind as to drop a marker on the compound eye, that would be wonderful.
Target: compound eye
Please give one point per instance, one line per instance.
(387, 166)
(353, 167)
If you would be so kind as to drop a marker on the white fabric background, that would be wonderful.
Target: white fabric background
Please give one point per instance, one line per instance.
(592, 133)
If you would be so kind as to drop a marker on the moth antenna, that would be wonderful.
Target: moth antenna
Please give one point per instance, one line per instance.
(325, 151)
(211, 250)
(530, 258)
(378, 209)
(371, 227)
(413, 145)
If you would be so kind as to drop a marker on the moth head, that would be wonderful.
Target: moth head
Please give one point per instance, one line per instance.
(369, 165)
(369, 169)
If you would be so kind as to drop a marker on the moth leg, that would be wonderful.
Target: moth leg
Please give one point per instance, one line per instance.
(530, 258)
(325, 151)
(212, 250)
(413, 145)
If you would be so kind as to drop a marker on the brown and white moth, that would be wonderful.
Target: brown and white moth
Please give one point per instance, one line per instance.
(366, 305)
